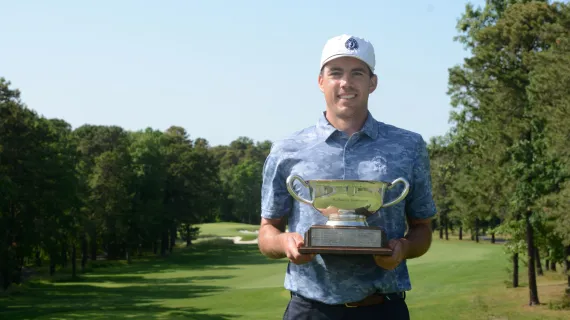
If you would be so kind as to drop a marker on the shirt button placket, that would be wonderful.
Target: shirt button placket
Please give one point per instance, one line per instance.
(348, 155)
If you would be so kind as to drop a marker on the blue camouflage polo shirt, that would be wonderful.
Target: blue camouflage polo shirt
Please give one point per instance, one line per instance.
(377, 152)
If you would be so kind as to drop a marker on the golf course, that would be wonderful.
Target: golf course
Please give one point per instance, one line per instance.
(215, 279)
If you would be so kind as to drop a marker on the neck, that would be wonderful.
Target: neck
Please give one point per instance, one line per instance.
(347, 125)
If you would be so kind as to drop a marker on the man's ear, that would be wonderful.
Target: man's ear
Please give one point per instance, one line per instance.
(320, 81)
(373, 83)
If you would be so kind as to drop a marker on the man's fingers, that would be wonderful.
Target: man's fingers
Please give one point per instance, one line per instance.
(292, 248)
(393, 243)
(299, 241)
(388, 262)
(293, 243)
(392, 261)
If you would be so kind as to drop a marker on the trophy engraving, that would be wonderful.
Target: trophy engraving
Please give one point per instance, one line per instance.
(347, 204)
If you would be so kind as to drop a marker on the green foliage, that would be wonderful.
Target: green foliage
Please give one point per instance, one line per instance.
(507, 156)
(104, 192)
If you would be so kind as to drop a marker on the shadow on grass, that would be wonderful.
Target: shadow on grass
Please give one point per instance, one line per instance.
(98, 302)
(119, 290)
(217, 255)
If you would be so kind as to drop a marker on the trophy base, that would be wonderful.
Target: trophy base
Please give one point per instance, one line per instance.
(346, 250)
(345, 240)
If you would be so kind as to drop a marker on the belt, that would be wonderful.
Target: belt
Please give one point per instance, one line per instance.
(373, 299)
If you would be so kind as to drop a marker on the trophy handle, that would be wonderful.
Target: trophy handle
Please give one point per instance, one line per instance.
(297, 197)
(402, 195)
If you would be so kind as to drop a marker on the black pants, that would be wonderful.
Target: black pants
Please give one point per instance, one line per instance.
(300, 308)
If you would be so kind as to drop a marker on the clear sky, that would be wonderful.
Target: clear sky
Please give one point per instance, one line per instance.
(223, 69)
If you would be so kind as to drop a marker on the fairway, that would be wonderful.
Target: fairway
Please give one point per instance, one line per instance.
(217, 280)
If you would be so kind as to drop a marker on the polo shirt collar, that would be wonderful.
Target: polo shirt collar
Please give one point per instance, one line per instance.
(325, 129)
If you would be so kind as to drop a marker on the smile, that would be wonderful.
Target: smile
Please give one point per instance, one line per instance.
(348, 96)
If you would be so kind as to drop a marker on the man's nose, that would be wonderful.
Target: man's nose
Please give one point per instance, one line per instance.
(346, 81)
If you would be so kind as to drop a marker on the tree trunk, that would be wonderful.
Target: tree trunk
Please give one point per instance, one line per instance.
(460, 232)
(567, 268)
(17, 272)
(546, 265)
(51, 265)
(164, 243)
(532, 288)
(477, 230)
(128, 253)
(6, 270)
(3, 281)
(538, 262)
(38, 258)
(84, 253)
(493, 237)
(440, 229)
(188, 236)
(114, 248)
(173, 236)
(553, 265)
(93, 247)
(73, 261)
(446, 222)
(64, 254)
(515, 270)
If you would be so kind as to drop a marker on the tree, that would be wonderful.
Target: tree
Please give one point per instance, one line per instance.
(496, 113)
(548, 91)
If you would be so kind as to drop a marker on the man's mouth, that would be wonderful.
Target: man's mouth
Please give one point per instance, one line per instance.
(347, 96)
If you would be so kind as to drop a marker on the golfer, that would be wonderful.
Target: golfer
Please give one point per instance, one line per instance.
(347, 142)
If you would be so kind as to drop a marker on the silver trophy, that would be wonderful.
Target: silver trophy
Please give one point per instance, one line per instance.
(347, 204)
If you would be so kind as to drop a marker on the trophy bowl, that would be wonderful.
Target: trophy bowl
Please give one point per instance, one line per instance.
(346, 204)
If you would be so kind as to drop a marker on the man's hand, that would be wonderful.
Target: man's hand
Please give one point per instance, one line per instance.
(399, 248)
(415, 244)
(292, 241)
(275, 243)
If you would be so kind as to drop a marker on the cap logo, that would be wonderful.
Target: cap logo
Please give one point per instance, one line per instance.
(351, 44)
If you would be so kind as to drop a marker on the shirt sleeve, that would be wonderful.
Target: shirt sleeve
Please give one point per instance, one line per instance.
(419, 202)
(275, 198)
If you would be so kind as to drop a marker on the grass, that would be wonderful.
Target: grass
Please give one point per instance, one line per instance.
(226, 229)
(465, 280)
(216, 279)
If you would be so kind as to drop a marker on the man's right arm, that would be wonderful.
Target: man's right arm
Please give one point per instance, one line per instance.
(275, 243)
(270, 238)
(276, 203)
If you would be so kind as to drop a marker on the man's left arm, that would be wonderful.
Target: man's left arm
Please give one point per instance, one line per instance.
(418, 239)
(413, 245)
(420, 209)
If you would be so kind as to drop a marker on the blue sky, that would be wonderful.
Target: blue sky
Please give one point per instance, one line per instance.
(223, 69)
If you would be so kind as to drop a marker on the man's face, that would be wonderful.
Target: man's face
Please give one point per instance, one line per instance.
(346, 84)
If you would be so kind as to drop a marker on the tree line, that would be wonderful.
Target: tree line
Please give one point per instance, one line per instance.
(102, 191)
(504, 166)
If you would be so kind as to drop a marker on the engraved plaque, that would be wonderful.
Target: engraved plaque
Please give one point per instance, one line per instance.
(354, 237)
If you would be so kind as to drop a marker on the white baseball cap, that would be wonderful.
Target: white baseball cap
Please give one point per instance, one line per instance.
(349, 46)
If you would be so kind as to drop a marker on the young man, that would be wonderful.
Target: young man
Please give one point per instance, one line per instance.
(347, 143)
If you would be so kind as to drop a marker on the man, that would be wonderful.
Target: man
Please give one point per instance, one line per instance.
(347, 143)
